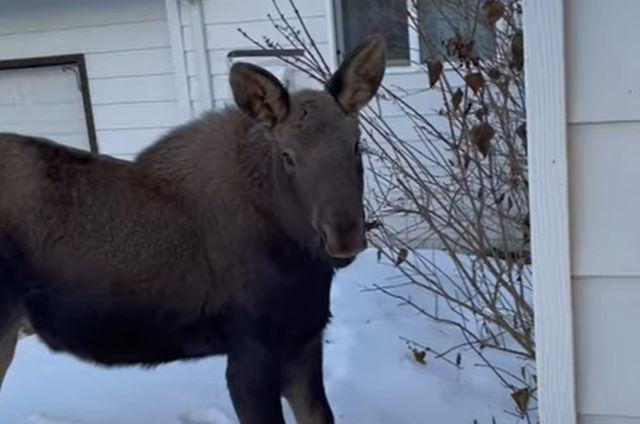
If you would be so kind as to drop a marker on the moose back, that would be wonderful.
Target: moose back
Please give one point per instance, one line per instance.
(221, 238)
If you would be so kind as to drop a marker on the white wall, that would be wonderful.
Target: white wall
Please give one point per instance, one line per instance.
(603, 102)
(128, 55)
(222, 18)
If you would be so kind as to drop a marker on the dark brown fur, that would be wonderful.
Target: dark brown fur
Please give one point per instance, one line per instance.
(222, 238)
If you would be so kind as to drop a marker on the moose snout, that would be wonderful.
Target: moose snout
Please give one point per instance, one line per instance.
(343, 235)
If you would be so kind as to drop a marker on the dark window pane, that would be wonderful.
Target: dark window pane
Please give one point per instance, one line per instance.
(447, 26)
(363, 18)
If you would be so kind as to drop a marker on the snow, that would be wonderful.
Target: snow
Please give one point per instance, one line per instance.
(370, 374)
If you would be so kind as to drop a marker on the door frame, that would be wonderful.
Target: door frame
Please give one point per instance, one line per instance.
(60, 60)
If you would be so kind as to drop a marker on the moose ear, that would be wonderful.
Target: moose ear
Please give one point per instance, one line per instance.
(258, 93)
(359, 76)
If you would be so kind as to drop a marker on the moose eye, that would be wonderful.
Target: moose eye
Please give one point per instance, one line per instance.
(289, 162)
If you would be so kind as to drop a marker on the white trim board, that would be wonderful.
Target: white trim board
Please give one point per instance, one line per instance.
(200, 48)
(548, 178)
(178, 57)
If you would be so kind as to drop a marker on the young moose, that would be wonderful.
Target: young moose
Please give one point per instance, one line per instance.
(222, 238)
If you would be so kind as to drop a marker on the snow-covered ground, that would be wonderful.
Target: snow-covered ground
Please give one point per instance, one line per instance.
(371, 376)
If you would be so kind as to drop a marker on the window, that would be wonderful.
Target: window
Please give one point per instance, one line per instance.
(438, 22)
(48, 97)
(442, 22)
(363, 18)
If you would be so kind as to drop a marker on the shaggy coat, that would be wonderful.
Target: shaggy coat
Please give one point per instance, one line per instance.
(221, 238)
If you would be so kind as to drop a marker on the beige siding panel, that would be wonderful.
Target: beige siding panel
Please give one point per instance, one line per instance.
(607, 347)
(602, 67)
(604, 207)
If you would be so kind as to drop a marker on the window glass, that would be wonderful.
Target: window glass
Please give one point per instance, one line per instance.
(449, 26)
(363, 18)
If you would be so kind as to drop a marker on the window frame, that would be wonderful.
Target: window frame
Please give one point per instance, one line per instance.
(76, 60)
(393, 66)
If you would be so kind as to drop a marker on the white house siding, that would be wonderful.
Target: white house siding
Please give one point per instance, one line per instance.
(127, 48)
(128, 56)
(222, 18)
(603, 102)
(130, 62)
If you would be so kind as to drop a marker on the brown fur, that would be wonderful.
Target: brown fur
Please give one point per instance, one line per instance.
(221, 238)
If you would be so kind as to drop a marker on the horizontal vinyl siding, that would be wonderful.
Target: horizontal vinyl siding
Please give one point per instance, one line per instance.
(128, 57)
(603, 102)
(602, 61)
(607, 419)
(607, 345)
(605, 212)
(222, 20)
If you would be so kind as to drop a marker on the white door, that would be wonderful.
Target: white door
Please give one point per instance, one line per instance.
(44, 101)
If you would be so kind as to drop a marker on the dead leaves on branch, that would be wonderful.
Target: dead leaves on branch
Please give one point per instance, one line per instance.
(402, 256)
(419, 355)
(522, 398)
(517, 51)
(481, 136)
(456, 99)
(521, 132)
(434, 69)
(475, 81)
(493, 11)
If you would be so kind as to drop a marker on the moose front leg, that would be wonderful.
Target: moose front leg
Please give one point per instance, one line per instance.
(253, 378)
(303, 385)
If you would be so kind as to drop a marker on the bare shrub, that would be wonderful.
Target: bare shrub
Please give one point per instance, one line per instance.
(453, 178)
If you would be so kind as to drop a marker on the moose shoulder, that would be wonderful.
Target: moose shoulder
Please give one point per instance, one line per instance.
(221, 238)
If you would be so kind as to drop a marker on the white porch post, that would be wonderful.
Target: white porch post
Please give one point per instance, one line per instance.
(548, 178)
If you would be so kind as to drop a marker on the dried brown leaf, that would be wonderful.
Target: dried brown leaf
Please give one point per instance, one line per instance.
(521, 398)
(456, 99)
(521, 131)
(493, 11)
(420, 356)
(517, 51)
(402, 256)
(475, 81)
(494, 74)
(434, 68)
(481, 136)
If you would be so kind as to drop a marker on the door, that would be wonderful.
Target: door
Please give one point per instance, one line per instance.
(42, 98)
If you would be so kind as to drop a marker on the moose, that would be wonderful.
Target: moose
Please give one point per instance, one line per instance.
(221, 238)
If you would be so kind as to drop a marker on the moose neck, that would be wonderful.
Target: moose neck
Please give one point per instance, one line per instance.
(228, 157)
